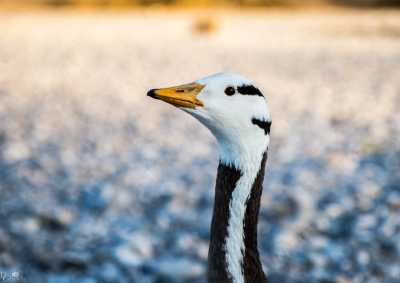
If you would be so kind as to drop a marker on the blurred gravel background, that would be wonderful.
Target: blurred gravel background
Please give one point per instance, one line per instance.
(98, 183)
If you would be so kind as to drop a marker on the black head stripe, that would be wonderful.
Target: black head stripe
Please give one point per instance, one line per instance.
(249, 90)
(265, 125)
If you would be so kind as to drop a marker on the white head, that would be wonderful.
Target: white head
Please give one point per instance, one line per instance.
(234, 110)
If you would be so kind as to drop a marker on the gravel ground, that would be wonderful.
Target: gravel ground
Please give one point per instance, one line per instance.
(98, 183)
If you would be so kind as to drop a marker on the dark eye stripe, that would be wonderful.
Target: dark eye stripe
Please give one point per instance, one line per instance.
(265, 125)
(249, 90)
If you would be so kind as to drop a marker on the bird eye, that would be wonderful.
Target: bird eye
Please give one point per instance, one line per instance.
(230, 90)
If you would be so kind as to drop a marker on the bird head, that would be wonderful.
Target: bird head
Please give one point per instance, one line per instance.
(232, 107)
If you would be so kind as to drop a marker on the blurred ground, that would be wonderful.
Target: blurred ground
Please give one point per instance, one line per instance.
(100, 184)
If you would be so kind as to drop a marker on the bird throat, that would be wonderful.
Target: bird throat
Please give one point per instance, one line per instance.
(233, 255)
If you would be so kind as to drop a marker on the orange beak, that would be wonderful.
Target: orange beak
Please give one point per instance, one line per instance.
(180, 96)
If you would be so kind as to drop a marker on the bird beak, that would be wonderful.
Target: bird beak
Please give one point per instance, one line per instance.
(180, 96)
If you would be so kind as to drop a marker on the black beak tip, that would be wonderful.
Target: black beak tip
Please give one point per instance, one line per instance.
(151, 93)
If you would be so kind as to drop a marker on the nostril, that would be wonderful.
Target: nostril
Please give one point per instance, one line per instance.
(151, 93)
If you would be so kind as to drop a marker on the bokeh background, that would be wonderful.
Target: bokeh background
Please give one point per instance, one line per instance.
(99, 183)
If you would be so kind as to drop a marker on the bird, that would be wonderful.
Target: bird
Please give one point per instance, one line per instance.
(237, 114)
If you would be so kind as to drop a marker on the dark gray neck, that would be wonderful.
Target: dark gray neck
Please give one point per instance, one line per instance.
(227, 178)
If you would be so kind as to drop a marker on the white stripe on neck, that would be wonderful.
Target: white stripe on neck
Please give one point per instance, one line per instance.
(249, 165)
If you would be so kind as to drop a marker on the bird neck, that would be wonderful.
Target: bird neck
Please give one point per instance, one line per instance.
(233, 255)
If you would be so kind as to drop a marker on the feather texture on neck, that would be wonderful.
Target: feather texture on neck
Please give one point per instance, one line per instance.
(233, 254)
